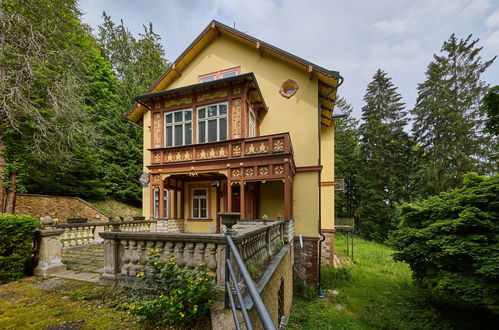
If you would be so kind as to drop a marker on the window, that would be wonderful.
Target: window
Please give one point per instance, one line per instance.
(200, 203)
(212, 122)
(220, 74)
(178, 128)
(252, 124)
(165, 203)
(156, 203)
(289, 88)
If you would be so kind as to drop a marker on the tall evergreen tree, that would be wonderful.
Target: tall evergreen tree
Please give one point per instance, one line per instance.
(42, 65)
(346, 157)
(448, 124)
(385, 153)
(137, 63)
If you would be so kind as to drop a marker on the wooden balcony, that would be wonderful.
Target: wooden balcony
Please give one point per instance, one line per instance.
(245, 148)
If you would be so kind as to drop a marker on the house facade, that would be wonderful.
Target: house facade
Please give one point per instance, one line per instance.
(238, 125)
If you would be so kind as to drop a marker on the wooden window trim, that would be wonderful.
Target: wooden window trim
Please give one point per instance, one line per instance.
(218, 74)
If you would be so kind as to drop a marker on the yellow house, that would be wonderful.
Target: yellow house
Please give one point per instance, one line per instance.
(236, 124)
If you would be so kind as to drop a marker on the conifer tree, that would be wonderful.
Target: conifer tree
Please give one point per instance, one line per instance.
(385, 153)
(448, 118)
(346, 159)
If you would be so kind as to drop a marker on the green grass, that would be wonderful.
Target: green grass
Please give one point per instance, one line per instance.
(114, 208)
(377, 293)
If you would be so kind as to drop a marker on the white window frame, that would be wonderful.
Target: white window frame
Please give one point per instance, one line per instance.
(206, 119)
(156, 202)
(173, 124)
(251, 120)
(208, 78)
(199, 198)
(228, 73)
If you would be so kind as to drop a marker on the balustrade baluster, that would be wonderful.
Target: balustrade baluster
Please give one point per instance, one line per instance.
(189, 255)
(179, 254)
(199, 253)
(126, 257)
(210, 257)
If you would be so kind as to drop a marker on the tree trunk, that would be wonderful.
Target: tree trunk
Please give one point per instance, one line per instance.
(2, 189)
(10, 205)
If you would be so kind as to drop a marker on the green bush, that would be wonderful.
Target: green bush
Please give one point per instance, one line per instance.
(451, 242)
(182, 297)
(16, 239)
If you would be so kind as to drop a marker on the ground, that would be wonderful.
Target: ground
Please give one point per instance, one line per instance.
(53, 303)
(114, 208)
(377, 293)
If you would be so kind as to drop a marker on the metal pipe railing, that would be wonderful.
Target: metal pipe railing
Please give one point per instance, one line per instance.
(262, 311)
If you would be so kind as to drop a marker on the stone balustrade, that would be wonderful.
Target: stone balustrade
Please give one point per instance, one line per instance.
(75, 234)
(126, 252)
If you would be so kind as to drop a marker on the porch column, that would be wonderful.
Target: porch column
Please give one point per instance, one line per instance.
(229, 196)
(288, 193)
(175, 204)
(242, 199)
(182, 207)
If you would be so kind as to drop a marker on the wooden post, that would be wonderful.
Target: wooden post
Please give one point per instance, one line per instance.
(175, 204)
(287, 199)
(229, 196)
(242, 201)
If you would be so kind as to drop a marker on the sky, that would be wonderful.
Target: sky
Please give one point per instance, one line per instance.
(354, 37)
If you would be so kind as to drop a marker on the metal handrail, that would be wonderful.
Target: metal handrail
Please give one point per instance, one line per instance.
(230, 276)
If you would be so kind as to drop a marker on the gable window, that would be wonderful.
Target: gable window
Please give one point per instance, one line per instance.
(252, 124)
(200, 203)
(212, 122)
(178, 128)
(219, 74)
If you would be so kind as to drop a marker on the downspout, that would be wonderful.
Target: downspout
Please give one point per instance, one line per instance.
(319, 163)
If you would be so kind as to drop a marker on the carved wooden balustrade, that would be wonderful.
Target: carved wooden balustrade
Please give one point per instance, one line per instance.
(88, 233)
(126, 252)
(230, 149)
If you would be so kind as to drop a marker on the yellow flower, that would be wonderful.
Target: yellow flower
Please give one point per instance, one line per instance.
(156, 262)
(140, 274)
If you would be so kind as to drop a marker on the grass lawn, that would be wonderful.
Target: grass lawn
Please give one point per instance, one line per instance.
(114, 208)
(377, 293)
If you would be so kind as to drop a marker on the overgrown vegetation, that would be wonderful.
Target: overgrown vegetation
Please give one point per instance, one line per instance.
(451, 243)
(378, 293)
(16, 239)
(180, 296)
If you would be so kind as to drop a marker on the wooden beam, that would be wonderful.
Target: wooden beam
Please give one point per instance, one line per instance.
(310, 72)
(259, 47)
(214, 27)
(177, 71)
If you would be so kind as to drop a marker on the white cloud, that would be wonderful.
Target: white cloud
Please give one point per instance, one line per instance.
(493, 20)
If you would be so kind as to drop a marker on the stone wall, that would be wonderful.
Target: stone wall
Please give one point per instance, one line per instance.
(327, 253)
(170, 226)
(58, 207)
(306, 265)
(280, 279)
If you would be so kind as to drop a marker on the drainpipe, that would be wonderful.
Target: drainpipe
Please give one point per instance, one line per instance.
(319, 162)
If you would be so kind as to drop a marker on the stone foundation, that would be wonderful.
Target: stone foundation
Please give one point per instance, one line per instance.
(306, 266)
(327, 247)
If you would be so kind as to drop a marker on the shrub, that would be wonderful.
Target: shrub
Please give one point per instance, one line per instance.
(183, 296)
(16, 241)
(451, 242)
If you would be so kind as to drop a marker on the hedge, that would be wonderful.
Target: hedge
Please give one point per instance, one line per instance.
(16, 245)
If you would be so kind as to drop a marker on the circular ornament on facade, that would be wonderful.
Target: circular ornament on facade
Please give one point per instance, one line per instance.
(289, 88)
(144, 180)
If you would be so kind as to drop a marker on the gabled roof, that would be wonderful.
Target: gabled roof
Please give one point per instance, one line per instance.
(328, 79)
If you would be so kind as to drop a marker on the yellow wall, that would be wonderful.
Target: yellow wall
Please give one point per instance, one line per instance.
(306, 204)
(327, 176)
(271, 199)
(296, 115)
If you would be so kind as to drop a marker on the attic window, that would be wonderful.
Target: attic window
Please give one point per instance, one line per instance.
(231, 72)
(288, 88)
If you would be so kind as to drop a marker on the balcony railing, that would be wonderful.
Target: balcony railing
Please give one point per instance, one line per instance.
(230, 149)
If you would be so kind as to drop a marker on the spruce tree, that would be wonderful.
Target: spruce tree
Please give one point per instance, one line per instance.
(346, 159)
(385, 153)
(448, 118)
